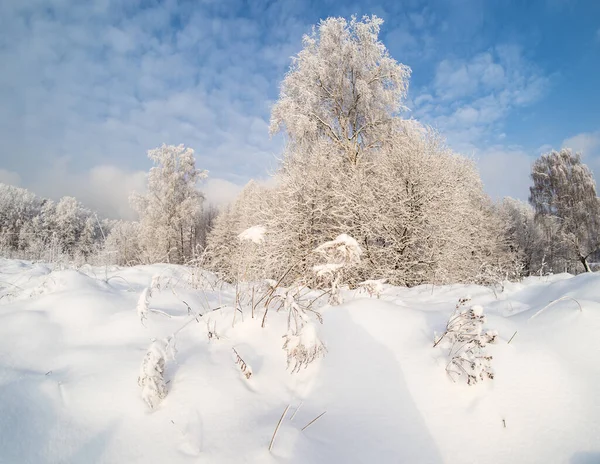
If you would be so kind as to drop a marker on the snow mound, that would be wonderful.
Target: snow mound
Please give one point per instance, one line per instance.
(255, 234)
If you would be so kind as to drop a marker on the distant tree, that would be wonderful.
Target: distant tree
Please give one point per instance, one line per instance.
(524, 235)
(89, 237)
(564, 195)
(206, 224)
(230, 256)
(69, 219)
(171, 207)
(122, 245)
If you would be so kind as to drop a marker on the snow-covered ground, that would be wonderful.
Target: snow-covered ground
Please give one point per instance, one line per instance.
(71, 345)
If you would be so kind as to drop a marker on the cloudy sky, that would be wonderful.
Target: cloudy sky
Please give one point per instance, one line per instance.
(88, 86)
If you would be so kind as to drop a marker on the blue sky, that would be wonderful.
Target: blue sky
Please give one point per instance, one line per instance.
(87, 87)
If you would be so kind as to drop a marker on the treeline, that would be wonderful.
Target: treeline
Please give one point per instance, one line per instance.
(40, 229)
(173, 223)
(352, 165)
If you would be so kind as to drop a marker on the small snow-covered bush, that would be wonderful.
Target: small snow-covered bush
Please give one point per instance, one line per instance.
(373, 288)
(303, 346)
(143, 304)
(467, 340)
(151, 378)
(302, 342)
(340, 254)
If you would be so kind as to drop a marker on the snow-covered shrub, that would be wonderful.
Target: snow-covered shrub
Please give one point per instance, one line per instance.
(302, 342)
(467, 340)
(152, 370)
(340, 254)
(373, 288)
(303, 346)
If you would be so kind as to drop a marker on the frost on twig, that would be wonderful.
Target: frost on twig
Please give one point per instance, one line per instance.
(467, 340)
(151, 378)
(340, 254)
(373, 288)
(302, 343)
(155, 285)
(245, 368)
(143, 305)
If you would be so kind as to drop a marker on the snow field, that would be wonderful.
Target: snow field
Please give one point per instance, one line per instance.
(71, 346)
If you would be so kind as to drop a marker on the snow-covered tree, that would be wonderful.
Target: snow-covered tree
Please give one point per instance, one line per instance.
(170, 210)
(17, 208)
(122, 245)
(352, 166)
(69, 223)
(343, 87)
(88, 238)
(228, 253)
(564, 198)
(524, 235)
(39, 229)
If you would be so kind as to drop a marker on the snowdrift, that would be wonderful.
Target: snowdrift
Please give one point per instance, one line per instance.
(71, 345)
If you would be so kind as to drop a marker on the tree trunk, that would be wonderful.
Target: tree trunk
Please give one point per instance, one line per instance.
(586, 266)
(181, 254)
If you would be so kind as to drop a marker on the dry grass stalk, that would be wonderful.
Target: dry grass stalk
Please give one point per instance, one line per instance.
(314, 420)
(277, 428)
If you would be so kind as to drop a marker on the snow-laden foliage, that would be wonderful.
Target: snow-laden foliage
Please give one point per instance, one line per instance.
(40, 229)
(524, 235)
(419, 214)
(301, 342)
(566, 205)
(467, 340)
(352, 166)
(122, 244)
(343, 86)
(171, 208)
(152, 371)
(231, 256)
(339, 254)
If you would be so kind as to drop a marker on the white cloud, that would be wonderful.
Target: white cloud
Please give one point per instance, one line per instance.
(505, 172)
(105, 189)
(588, 144)
(10, 178)
(469, 101)
(99, 84)
(542, 149)
(220, 192)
